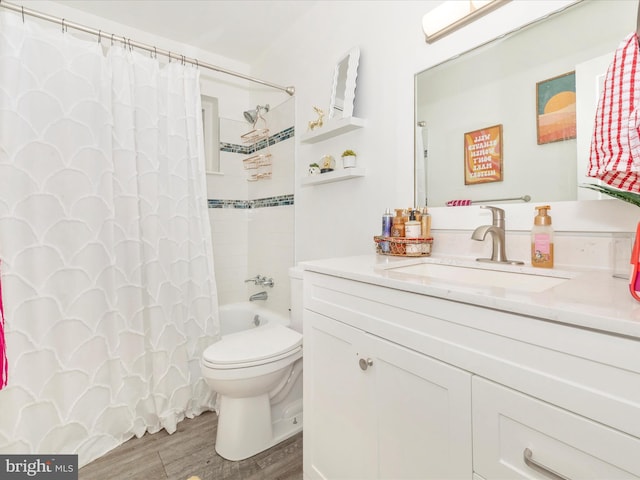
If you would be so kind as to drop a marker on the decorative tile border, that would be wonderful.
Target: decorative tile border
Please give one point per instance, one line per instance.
(278, 201)
(285, 134)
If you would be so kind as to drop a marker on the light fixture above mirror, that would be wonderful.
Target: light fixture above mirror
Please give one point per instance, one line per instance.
(454, 14)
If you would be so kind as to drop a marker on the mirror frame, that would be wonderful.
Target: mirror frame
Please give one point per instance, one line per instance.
(352, 59)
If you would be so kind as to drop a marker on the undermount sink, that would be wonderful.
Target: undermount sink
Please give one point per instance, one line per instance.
(515, 280)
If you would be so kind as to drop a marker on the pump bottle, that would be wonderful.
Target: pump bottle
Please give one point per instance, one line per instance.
(397, 227)
(387, 220)
(542, 239)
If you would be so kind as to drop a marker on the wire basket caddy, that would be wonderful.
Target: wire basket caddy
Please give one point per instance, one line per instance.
(403, 247)
(259, 163)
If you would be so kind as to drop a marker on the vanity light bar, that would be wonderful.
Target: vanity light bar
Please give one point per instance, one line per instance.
(454, 14)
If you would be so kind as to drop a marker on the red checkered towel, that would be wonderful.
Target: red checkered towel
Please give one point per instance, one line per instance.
(615, 145)
(4, 366)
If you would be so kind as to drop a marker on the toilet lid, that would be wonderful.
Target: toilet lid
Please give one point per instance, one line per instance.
(257, 344)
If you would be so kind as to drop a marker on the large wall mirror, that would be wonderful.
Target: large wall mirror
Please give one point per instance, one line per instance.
(496, 84)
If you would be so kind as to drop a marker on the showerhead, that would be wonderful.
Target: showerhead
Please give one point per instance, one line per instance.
(252, 116)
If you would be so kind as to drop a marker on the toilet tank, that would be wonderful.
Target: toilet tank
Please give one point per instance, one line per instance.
(295, 282)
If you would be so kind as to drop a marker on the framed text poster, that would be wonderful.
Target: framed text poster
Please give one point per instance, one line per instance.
(483, 155)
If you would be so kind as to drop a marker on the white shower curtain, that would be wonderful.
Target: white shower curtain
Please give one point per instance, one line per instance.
(107, 280)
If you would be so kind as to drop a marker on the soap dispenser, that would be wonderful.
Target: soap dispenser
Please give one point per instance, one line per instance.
(542, 239)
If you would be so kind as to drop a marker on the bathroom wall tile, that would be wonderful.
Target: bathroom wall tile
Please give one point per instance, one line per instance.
(271, 250)
(232, 130)
(253, 222)
(281, 116)
(229, 231)
(282, 178)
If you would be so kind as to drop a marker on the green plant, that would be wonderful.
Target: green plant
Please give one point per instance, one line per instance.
(347, 153)
(623, 195)
(314, 165)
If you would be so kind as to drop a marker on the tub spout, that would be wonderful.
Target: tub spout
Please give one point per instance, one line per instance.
(258, 296)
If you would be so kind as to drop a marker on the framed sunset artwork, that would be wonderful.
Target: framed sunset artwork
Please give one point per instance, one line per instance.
(556, 108)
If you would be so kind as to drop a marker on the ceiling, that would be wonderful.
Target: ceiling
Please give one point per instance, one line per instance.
(235, 29)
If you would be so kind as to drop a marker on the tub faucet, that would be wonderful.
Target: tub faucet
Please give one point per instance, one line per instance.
(258, 296)
(497, 232)
(260, 280)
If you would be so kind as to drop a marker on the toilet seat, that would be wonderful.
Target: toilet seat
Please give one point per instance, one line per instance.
(248, 348)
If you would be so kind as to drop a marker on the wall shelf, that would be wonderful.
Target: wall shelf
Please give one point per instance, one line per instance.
(332, 128)
(335, 176)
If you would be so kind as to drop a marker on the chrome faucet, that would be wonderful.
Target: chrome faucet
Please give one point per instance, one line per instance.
(258, 296)
(497, 232)
(261, 280)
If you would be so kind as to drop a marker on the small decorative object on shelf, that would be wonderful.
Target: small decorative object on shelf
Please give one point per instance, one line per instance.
(328, 163)
(404, 247)
(348, 159)
(319, 121)
(314, 169)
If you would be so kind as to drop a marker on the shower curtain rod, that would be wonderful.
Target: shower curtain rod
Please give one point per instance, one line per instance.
(132, 43)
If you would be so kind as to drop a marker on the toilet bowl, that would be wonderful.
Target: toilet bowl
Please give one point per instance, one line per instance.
(257, 375)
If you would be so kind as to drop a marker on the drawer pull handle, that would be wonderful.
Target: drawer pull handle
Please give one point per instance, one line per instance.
(528, 459)
(364, 364)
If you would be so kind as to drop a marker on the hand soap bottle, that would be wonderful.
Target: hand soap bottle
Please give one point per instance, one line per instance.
(542, 239)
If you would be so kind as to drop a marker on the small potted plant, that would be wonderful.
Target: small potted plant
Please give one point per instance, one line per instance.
(314, 169)
(348, 159)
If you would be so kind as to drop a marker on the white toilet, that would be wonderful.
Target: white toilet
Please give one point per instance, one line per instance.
(257, 375)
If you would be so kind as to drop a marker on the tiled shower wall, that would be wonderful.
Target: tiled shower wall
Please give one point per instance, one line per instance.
(252, 222)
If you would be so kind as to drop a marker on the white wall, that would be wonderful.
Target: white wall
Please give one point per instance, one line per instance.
(341, 218)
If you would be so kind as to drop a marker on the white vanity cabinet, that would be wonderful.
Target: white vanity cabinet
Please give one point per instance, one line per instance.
(401, 385)
(378, 410)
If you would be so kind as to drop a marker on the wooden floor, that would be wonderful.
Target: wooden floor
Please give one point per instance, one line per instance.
(190, 451)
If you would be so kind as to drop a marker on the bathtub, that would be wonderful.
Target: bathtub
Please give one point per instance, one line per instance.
(235, 317)
(286, 405)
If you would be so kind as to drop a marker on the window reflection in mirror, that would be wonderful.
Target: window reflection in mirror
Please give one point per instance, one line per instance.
(496, 84)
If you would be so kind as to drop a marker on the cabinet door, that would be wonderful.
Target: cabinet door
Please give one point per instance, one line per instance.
(424, 415)
(340, 441)
(558, 443)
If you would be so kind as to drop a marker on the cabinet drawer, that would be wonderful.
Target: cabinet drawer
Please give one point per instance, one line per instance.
(506, 423)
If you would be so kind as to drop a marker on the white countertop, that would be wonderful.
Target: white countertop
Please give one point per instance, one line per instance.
(589, 299)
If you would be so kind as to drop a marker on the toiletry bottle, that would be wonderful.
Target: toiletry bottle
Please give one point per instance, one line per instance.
(397, 227)
(412, 230)
(425, 223)
(412, 227)
(405, 215)
(542, 239)
(387, 221)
